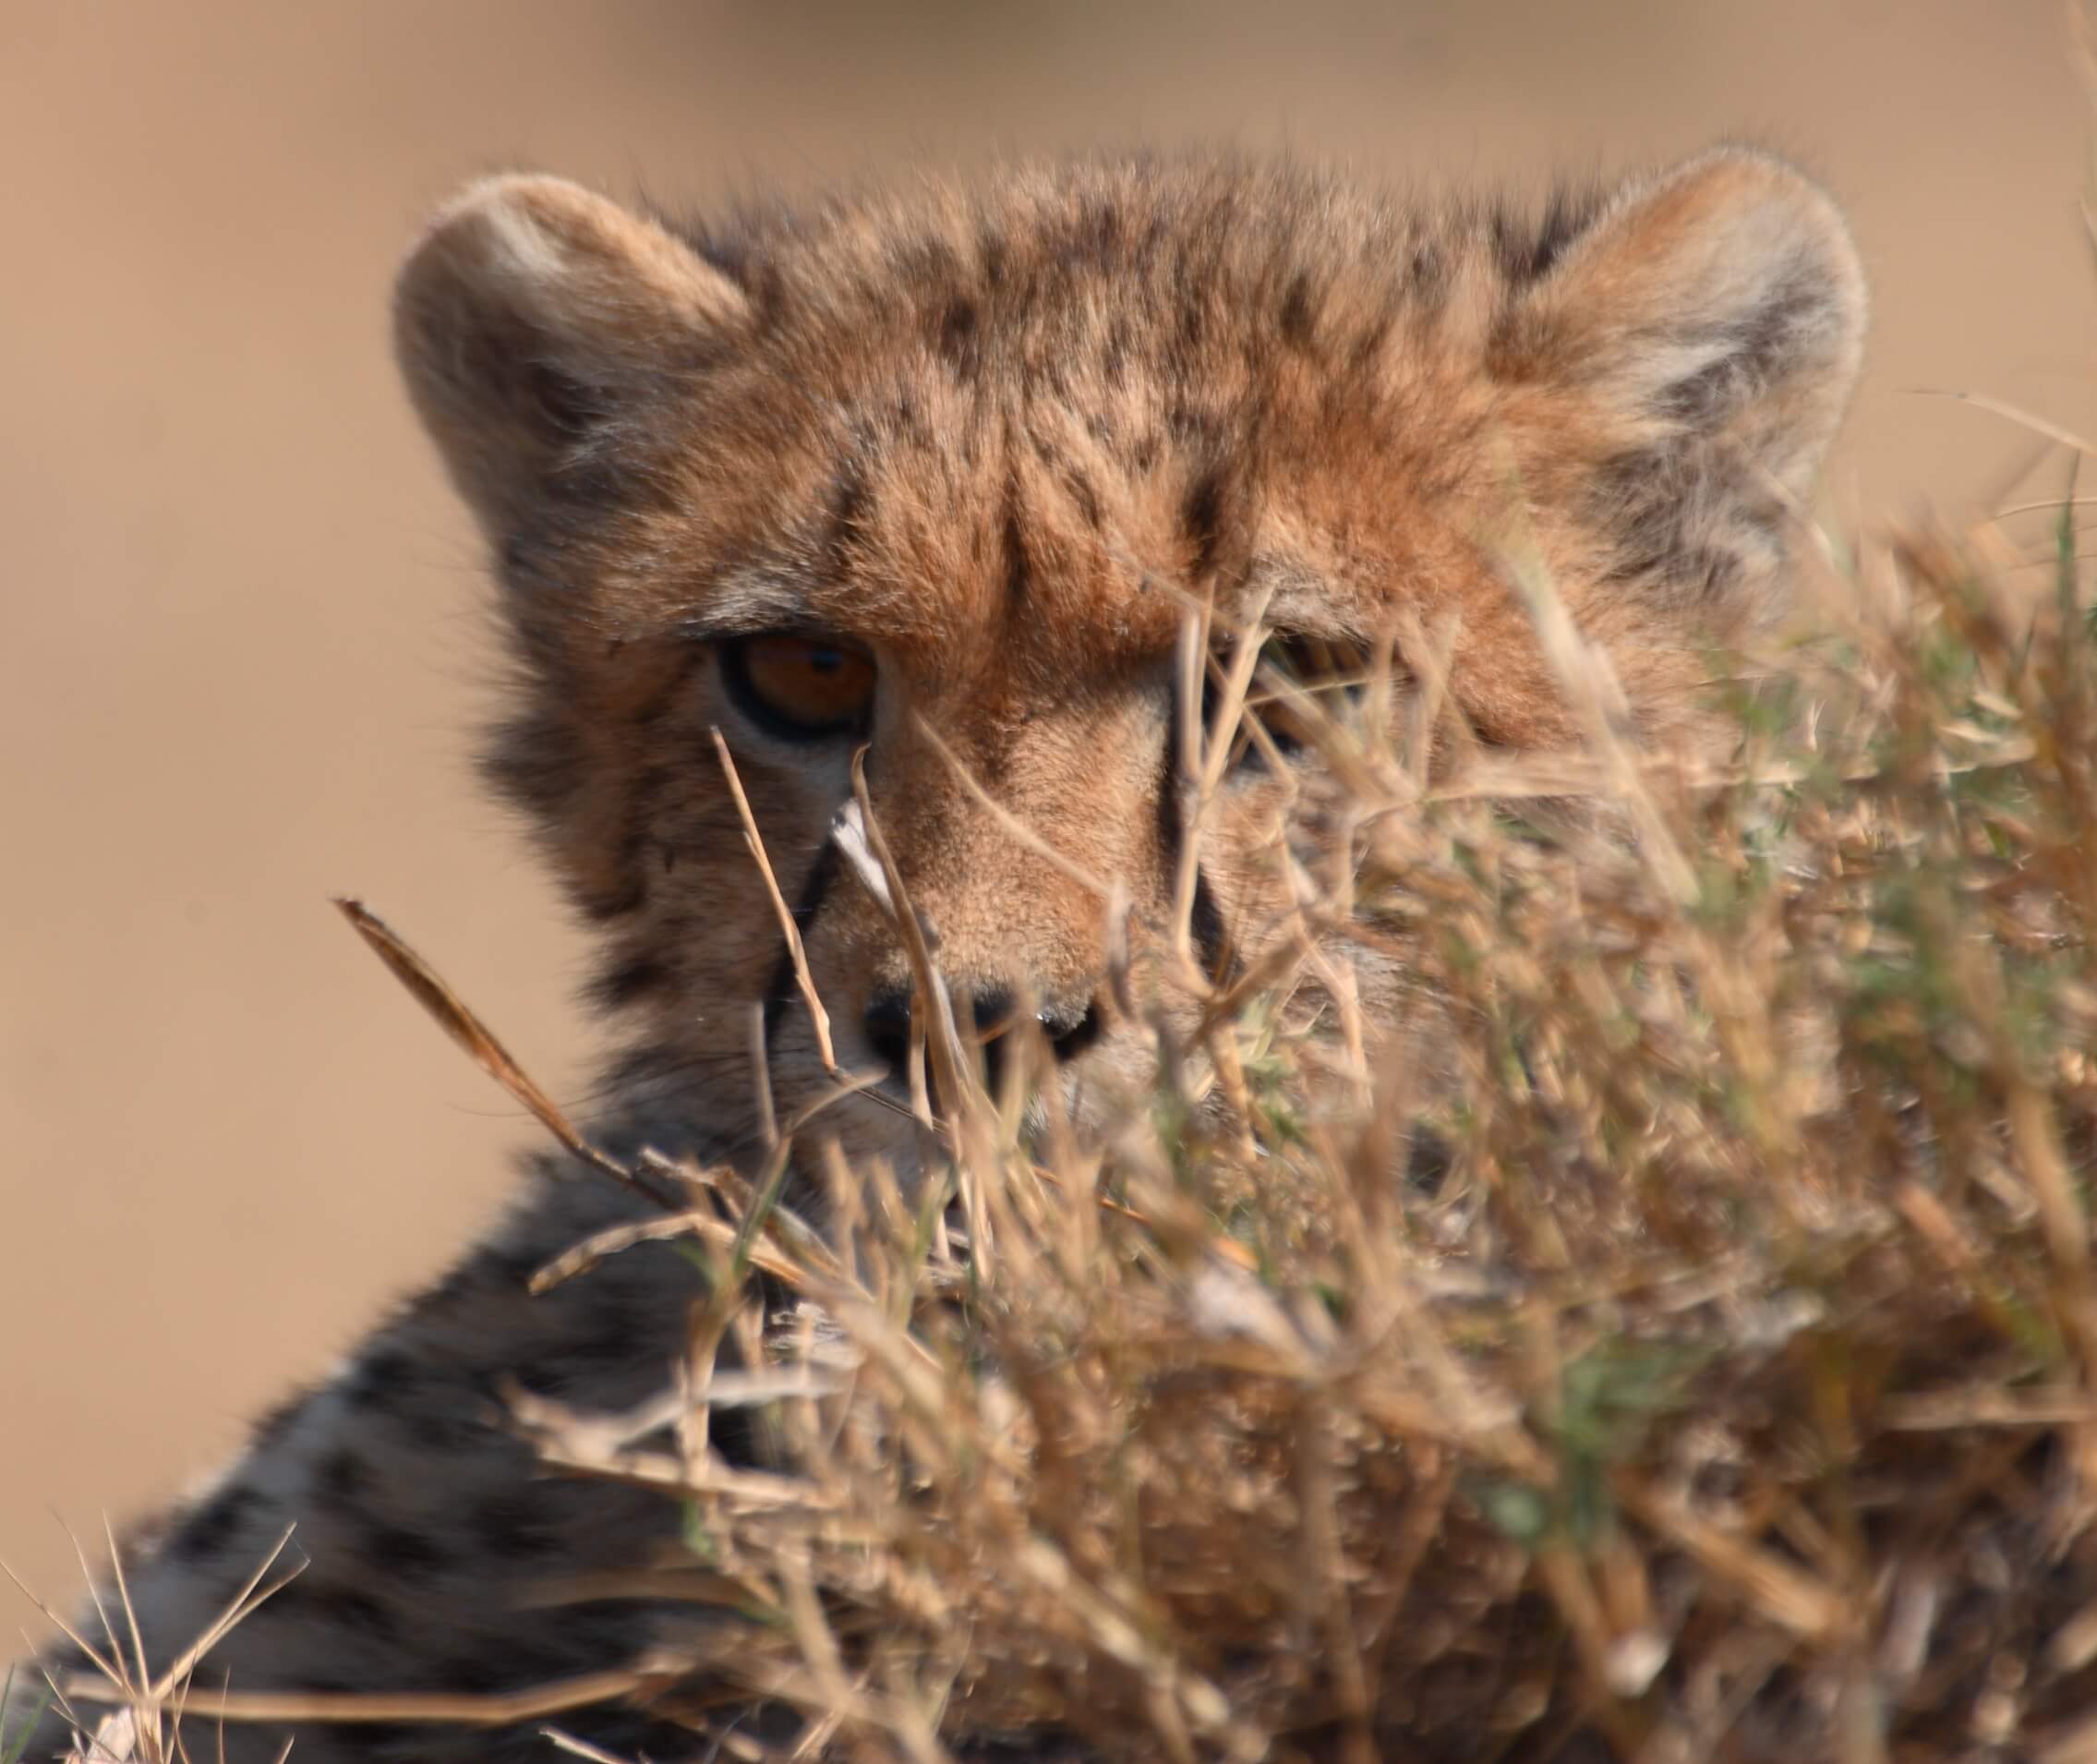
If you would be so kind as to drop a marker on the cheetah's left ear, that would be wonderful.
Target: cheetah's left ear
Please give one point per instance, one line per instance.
(534, 321)
(1688, 357)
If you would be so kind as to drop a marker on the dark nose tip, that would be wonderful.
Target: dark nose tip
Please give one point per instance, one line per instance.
(1069, 1029)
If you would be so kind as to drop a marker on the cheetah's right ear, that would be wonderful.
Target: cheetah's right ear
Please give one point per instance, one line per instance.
(532, 316)
(1681, 369)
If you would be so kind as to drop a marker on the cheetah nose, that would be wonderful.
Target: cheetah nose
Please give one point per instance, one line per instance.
(1069, 1029)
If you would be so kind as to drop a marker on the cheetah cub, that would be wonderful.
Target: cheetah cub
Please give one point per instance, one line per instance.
(933, 473)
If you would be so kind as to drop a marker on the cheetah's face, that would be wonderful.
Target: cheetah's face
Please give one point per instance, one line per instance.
(986, 488)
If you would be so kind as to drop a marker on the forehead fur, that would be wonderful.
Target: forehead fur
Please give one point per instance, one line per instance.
(1010, 418)
(1053, 394)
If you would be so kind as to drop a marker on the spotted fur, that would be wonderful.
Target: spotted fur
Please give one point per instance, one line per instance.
(998, 434)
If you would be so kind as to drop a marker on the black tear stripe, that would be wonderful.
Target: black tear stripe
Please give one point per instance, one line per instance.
(784, 986)
(1201, 518)
(1205, 920)
(1205, 924)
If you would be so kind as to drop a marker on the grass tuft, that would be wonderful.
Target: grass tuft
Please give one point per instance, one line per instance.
(1621, 1278)
(1609, 1277)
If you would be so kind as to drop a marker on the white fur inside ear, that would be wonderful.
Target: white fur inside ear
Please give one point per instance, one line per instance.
(519, 249)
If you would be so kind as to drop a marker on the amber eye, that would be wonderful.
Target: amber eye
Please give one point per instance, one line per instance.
(800, 688)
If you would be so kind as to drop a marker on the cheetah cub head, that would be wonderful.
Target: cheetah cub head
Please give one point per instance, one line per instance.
(937, 478)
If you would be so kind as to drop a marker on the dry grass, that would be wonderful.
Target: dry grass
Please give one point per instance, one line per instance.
(1723, 1386)
(1663, 1328)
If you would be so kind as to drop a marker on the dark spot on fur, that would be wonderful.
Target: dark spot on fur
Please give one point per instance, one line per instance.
(382, 1380)
(342, 1478)
(1298, 328)
(211, 1528)
(1429, 275)
(606, 1331)
(508, 1524)
(958, 345)
(506, 1266)
(1527, 249)
(404, 1552)
(1194, 427)
(632, 981)
(347, 1608)
(513, 1663)
(470, 1280)
(537, 763)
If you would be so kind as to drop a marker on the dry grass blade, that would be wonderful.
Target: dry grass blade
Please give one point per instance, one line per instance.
(458, 1020)
(969, 1114)
(580, 1748)
(250, 1597)
(430, 1708)
(2012, 412)
(1790, 1598)
(790, 929)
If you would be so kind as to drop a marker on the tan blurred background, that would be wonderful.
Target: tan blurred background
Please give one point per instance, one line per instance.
(242, 631)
